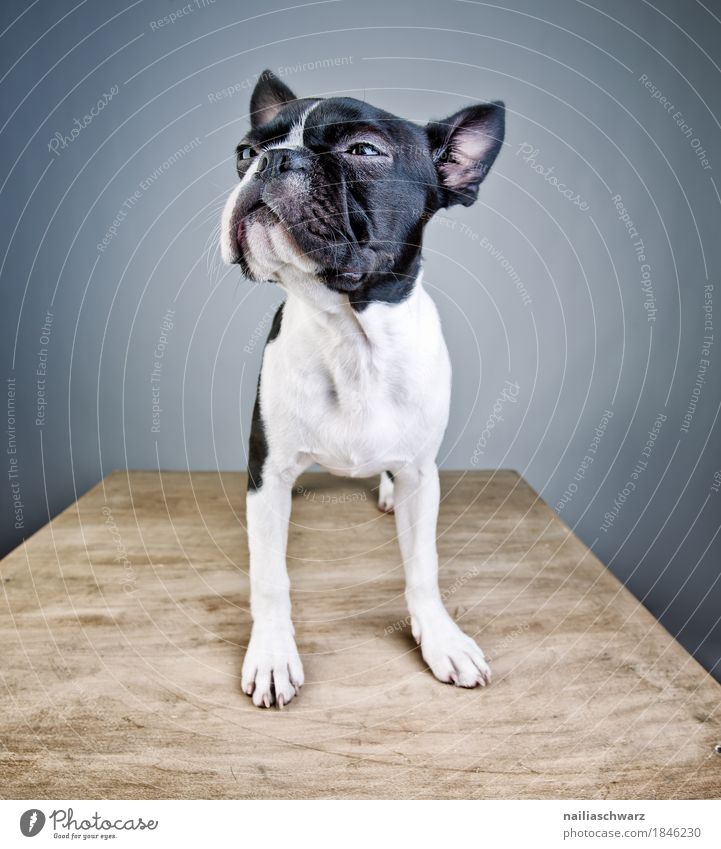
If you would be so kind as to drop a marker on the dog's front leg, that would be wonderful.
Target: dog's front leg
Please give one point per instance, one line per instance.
(272, 671)
(452, 655)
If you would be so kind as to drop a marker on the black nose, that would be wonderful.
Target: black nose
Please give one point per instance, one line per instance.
(275, 161)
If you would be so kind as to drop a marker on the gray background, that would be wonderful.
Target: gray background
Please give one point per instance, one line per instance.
(571, 75)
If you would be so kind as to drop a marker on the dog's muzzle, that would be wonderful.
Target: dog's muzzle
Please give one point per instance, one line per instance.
(272, 163)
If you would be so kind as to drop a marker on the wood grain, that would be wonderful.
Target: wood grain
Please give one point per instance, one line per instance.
(123, 625)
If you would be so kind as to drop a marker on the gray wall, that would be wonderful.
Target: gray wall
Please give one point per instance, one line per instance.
(535, 287)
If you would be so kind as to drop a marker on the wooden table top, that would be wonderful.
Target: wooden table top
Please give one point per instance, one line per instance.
(123, 625)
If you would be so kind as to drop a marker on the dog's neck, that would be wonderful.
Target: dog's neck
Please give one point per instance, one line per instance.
(391, 287)
(333, 318)
(388, 287)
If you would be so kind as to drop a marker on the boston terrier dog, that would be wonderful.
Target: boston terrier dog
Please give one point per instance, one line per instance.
(332, 201)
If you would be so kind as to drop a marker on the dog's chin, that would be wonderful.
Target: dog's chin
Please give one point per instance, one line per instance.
(266, 249)
(342, 281)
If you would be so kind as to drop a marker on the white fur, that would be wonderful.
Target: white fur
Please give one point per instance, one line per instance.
(295, 135)
(357, 393)
(228, 245)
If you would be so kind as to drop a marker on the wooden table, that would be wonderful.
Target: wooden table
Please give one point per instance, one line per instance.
(124, 621)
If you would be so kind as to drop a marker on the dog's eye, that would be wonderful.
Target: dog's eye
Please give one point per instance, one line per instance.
(363, 149)
(246, 152)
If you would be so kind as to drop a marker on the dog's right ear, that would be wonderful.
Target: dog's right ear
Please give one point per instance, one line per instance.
(464, 147)
(269, 96)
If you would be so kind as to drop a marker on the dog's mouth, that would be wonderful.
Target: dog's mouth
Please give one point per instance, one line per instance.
(265, 244)
(259, 213)
(273, 235)
(253, 225)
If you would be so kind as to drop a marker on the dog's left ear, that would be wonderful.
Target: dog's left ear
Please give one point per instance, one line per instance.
(464, 147)
(269, 96)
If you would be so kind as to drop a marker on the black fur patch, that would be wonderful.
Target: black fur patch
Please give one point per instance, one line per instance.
(258, 444)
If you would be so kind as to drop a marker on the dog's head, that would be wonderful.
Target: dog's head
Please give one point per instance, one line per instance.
(337, 192)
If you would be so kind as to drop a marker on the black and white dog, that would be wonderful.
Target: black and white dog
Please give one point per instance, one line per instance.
(331, 205)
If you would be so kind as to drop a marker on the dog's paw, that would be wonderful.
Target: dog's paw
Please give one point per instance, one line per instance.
(272, 671)
(452, 656)
(385, 494)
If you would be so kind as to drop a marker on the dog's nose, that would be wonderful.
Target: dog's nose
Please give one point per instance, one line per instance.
(275, 161)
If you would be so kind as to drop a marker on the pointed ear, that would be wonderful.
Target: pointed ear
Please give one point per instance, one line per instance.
(464, 147)
(269, 96)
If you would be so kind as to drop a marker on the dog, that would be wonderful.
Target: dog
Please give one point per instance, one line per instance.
(331, 204)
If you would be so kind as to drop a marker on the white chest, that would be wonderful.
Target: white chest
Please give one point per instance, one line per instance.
(357, 394)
